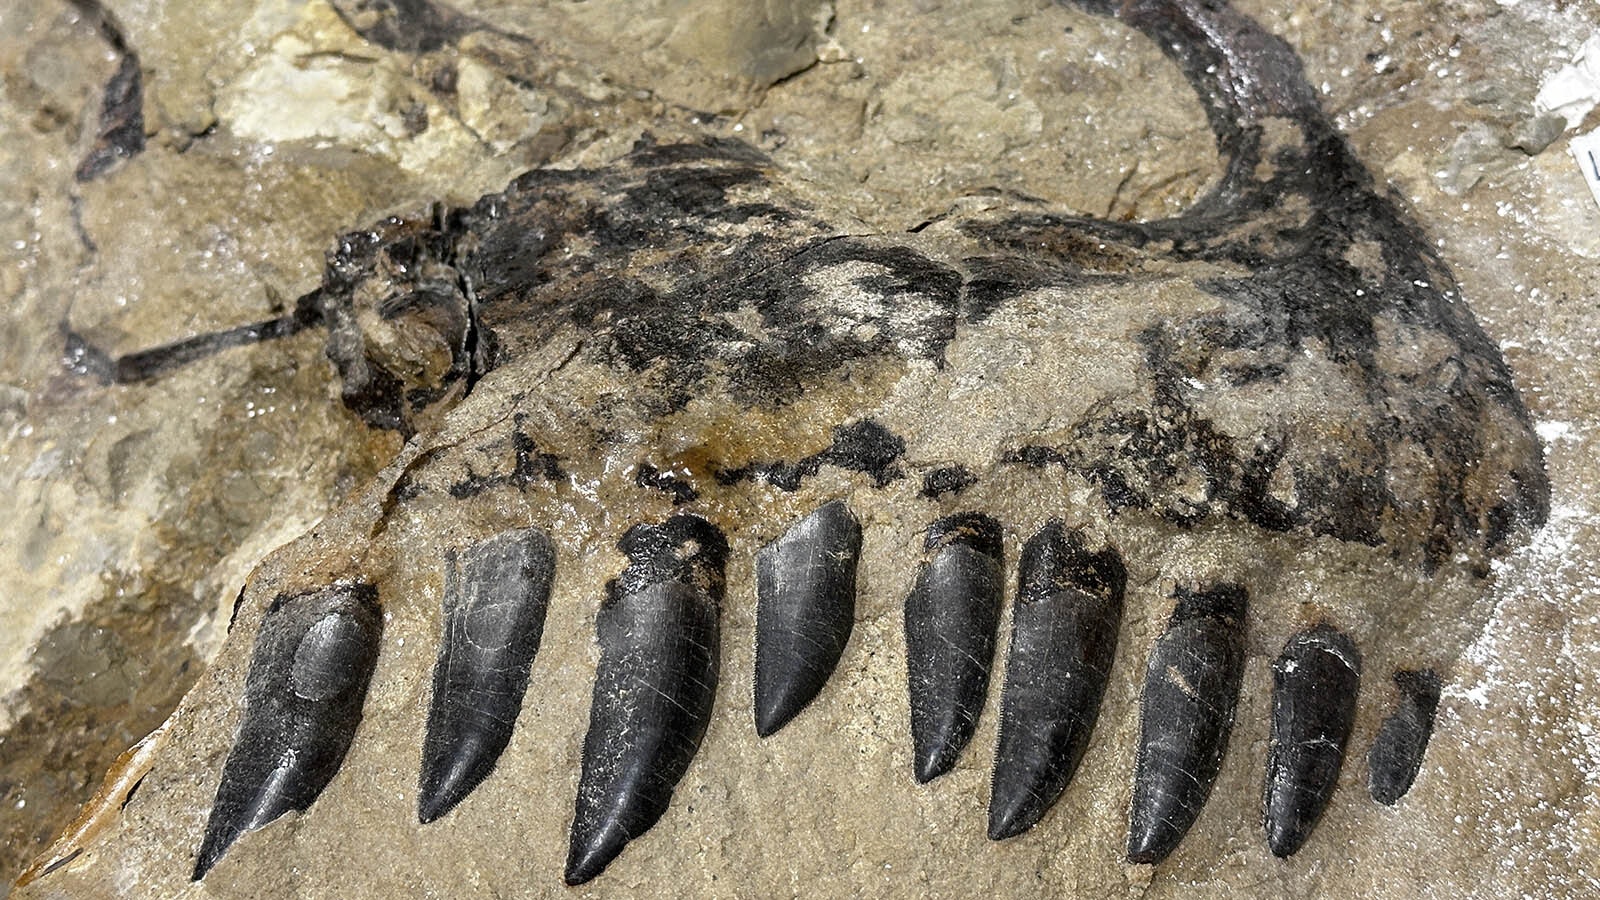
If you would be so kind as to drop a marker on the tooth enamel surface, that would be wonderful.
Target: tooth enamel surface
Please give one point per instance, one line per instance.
(775, 340)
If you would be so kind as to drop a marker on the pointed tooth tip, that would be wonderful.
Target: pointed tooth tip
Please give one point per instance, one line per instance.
(932, 763)
(771, 716)
(451, 772)
(203, 864)
(1149, 847)
(1284, 840)
(1007, 820)
(431, 805)
(585, 863)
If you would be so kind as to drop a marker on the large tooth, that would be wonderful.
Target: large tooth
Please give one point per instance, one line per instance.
(951, 618)
(1396, 754)
(303, 696)
(805, 608)
(1191, 688)
(1063, 638)
(494, 609)
(1314, 685)
(657, 677)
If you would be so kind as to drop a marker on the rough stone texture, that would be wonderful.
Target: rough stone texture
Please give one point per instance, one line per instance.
(138, 510)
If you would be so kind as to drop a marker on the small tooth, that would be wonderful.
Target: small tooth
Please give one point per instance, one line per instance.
(951, 618)
(1396, 754)
(1063, 638)
(1191, 688)
(303, 696)
(494, 609)
(658, 636)
(1314, 685)
(805, 608)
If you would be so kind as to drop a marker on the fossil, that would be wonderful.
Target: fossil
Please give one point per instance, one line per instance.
(1267, 427)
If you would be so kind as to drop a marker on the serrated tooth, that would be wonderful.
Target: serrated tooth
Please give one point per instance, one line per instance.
(1396, 754)
(309, 670)
(951, 618)
(805, 609)
(1191, 688)
(658, 635)
(1063, 638)
(1314, 684)
(494, 611)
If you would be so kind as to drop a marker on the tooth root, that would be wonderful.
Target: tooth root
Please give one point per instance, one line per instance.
(307, 682)
(1190, 691)
(658, 636)
(1396, 754)
(1064, 635)
(1314, 684)
(494, 610)
(805, 608)
(951, 618)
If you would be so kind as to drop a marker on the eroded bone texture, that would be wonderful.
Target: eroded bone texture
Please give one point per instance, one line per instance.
(687, 330)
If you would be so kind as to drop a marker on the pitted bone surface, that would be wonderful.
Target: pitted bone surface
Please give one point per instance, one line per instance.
(1281, 385)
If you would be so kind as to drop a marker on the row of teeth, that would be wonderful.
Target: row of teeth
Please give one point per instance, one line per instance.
(659, 640)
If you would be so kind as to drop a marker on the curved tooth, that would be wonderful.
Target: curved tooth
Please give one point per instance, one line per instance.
(307, 682)
(1314, 684)
(805, 609)
(657, 677)
(951, 618)
(1063, 638)
(494, 610)
(1191, 688)
(1396, 754)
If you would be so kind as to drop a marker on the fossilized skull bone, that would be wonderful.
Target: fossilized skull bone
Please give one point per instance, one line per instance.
(680, 404)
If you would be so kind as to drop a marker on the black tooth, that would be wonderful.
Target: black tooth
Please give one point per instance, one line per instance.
(658, 636)
(1396, 754)
(1063, 638)
(976, 530)
(805, 608)
(1190, 690)
(494, 609)
(1314, 684)
(951, 618)
(307, 682)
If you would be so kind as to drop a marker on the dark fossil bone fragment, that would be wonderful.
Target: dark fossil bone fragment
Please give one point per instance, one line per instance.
(1063, 637)
(1396, 754)
(951, 618)
(1191, 688)
(1314, 684)
(1270, 337)
(494, 609)
(303, 696)
(659, 646)
(805, 609)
